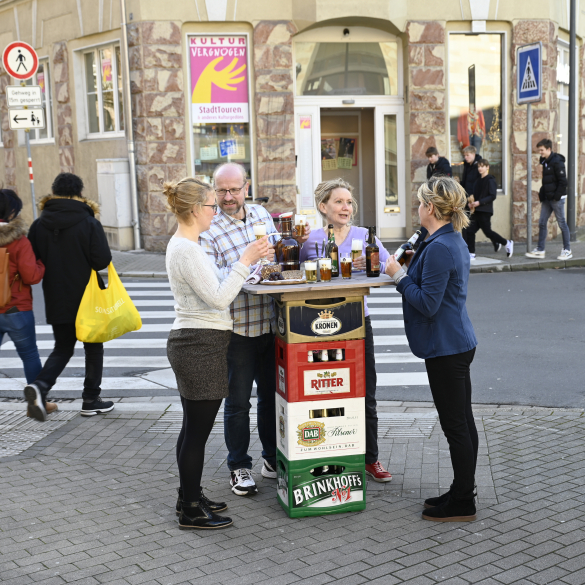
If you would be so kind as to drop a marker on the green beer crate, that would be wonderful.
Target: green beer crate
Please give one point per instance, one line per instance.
(325, 485)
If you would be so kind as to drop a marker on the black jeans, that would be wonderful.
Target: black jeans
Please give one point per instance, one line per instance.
(65, 340)
(371, 412)
(481, 221)
(450, 381)
(198, 419)
(250, 359)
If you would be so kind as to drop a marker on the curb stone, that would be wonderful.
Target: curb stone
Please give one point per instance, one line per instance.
(542, 265)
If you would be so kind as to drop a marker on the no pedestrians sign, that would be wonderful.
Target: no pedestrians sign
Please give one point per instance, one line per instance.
(529, 73)
(20, 60)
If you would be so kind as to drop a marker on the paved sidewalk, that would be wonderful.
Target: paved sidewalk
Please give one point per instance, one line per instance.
(93, 502)
(152, 265)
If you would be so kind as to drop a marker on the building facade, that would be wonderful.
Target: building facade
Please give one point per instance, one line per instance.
(297, 91)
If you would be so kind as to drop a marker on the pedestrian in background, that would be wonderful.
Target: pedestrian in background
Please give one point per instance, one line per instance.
(438, 165)
(485, 193)
(198, 343)
(439, 331)
(17, 319)
(251, 351)
(552, 195)
(335, 202)
(70, 242)
(469, 178)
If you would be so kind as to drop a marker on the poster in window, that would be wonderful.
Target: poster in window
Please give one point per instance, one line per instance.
(346, 153)
(219, 79)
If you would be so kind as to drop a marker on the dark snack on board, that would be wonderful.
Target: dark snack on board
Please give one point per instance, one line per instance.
(274, 276)
(269, 269)
(292, 274)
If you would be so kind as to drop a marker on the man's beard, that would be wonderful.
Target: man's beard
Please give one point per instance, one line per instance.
(232, 211)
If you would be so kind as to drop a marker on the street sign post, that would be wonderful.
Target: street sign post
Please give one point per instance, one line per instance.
(25, 119)
(529, 90)
(18, 96)
(21, 62)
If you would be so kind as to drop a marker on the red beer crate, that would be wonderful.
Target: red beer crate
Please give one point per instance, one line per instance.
(299, 380)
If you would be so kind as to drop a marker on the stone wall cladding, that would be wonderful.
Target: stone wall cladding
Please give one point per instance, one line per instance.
(158, 107)
(545, 124)
(64, 135)
(426, 104)
(8, 136)
(274, 108)
(580, 204)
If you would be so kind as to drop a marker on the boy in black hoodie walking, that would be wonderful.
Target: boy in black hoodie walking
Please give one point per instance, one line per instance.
(484, 193)
(438, 165)
(71, 242)
(552, 195)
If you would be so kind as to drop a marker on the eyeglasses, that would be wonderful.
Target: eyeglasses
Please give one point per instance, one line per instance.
(215, 206)
(224, 192)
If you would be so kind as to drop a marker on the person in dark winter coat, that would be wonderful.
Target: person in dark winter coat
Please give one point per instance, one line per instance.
(470, 170)
(485, 192)
(552, 195)
(438, 165)
(71, 243)
(16, 317)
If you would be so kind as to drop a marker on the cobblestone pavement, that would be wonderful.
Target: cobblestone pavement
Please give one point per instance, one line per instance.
(93, 502)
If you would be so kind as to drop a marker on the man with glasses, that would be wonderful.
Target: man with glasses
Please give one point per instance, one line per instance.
(251, 351)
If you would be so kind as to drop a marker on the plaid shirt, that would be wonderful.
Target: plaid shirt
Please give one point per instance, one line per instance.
(225, 241)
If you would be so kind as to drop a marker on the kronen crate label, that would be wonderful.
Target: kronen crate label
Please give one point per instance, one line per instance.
(326, 324)
(331, 381)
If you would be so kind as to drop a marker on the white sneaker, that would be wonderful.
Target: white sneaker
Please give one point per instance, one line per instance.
(510, 248)
(243, 483)
(536, 253)
(268, 471)
(471, 256)
(565, 255)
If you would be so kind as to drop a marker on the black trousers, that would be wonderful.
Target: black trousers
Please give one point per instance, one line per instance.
(65, 340)
(481, 221)
(450, 381)
(371, 411)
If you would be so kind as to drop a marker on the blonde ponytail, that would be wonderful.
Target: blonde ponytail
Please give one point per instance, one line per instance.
(449, 199)
(182, 196)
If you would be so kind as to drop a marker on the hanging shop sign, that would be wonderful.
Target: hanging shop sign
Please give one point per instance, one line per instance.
(219, 79)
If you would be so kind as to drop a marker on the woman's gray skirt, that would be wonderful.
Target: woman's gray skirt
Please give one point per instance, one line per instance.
(199, 360)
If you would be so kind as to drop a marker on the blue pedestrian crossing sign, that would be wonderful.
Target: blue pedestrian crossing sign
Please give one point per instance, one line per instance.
(529, 73)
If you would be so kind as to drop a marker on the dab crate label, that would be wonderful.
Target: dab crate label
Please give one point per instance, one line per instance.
(331, 381)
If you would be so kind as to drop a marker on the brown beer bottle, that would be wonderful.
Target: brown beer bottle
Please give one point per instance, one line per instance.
(332, 252)
(287, 248)
(372, 254)
(401, 255)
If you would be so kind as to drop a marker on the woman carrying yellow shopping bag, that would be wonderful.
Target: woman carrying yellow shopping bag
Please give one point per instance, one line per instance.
(106, 314)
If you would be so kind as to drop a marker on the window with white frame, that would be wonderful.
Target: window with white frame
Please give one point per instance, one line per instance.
(103, 89)
(42, 78)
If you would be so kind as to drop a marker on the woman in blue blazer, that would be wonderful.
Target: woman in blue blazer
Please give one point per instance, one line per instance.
(439, 331)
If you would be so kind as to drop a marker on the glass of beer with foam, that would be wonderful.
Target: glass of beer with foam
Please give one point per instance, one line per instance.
(346, 267)
(260, 232)
(325, 269)
(311, 270)
(300, 223)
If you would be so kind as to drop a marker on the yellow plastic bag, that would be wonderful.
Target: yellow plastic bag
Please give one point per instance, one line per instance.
(104, 315)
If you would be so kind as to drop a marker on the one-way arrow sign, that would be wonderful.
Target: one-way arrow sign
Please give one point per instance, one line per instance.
(21, 119)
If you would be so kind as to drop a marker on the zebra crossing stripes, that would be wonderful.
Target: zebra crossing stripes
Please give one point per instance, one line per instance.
(137, 365)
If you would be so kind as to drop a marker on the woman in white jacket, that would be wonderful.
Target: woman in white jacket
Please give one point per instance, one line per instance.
(198, 342)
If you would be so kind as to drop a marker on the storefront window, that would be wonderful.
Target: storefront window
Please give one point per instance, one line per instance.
(219, 102)
(475, 99)
(563, 74)
(347, 68)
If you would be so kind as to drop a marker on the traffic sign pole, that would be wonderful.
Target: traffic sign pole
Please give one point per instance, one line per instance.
(529, 177)
(30, 172)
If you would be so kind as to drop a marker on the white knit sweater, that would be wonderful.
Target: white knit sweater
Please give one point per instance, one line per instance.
(202, 295)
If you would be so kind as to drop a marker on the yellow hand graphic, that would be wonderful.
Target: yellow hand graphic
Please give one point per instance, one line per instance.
(223, 79)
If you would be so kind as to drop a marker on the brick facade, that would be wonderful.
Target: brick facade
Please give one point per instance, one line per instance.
(158, 108)
(8, 136)
(426, 107)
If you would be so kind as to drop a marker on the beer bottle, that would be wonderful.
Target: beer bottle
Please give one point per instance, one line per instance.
(324, 355)
(310, 356)
(401, 255)
(372, 254)
(332, 252)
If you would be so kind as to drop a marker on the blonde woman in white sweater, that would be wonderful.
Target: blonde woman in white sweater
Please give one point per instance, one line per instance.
(198, 342)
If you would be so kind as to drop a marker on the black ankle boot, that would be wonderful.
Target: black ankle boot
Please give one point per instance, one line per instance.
(452, 511)
(432, 502)
(198, 515)
(213, 506)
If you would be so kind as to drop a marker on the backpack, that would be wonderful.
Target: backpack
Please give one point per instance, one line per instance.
(5, 284)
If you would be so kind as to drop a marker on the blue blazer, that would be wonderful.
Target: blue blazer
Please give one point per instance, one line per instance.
(434, 294)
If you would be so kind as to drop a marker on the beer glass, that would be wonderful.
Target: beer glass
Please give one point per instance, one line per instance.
(356, 249)
(311, 271)
(300, 223)
(260, 232)
(346, 267)
(325, 269)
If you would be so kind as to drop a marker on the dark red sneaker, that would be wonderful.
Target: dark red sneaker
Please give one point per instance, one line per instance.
(377, 472)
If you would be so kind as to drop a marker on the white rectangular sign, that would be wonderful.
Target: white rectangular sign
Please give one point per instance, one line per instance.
(19, 96)
(331, 381)
(21, 119)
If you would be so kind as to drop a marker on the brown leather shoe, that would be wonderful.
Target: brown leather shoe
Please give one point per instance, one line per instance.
(49, 407)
